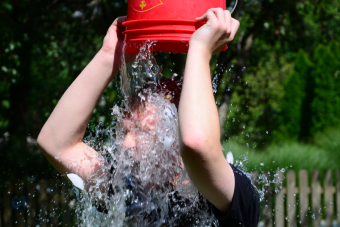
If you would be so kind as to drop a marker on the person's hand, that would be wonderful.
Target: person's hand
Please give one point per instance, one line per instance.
(113, 41)
(219, 30)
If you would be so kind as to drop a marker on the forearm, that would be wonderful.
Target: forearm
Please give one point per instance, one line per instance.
(198, 116)
(67, 124)
(200, 133)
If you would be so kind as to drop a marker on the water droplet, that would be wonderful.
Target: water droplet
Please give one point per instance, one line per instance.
(134, 65)
(156, 161)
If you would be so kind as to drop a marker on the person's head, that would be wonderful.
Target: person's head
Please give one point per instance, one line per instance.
(149, 133)
(144, 110)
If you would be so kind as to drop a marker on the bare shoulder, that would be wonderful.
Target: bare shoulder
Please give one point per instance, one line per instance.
(81, 160)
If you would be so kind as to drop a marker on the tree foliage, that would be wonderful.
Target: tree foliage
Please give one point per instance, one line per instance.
(46, 44)
(44, 47)
(296, 95)
(323, 109)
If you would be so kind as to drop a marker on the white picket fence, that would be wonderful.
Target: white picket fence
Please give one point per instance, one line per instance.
(303, 201)
(291, 200)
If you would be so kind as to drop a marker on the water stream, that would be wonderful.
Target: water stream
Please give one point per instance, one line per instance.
(148, 183)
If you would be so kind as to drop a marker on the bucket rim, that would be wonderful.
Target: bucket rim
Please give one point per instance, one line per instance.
(159, 29)
(160, 38)
(161, 20)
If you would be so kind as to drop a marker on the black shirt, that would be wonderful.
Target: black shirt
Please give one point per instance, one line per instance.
(244, 212)
(245, 209)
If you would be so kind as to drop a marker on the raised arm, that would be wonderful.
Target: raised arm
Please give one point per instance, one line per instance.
(61, 137)
(198, 117)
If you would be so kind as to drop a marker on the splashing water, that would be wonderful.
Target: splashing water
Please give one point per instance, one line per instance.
(147, 184)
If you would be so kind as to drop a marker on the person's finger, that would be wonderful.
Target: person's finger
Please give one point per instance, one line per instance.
(202, 18)
(212, 14)
(219, 14)
(117, 25)
(120, 26)
(235, 24)
(228, 20)
(121, 20)
(209, 18)
(118, 21)
(209, 15)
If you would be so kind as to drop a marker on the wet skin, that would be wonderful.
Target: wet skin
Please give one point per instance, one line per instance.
(140, 133)
(61, 137)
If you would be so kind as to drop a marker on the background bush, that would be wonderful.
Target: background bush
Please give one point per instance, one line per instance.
(277, 86)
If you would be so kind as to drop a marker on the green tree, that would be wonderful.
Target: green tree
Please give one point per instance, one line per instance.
(322, 106)
(295, 94)
(45, 45)
(335, 49)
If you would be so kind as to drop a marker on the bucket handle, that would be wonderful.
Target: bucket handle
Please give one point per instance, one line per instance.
(234, 7)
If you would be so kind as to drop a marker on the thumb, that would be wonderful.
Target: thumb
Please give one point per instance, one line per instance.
(202, 18)
(121, 20)
(208, 16)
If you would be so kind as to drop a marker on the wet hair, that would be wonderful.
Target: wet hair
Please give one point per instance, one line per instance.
(170, 88)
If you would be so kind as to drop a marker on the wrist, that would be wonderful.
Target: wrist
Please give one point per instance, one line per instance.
(105, 55)
(200, 49)
(108, 59)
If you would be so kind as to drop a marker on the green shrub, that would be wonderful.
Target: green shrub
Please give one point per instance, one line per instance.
(335, 50)
(295, 96)
(290, 155)
(329, 140)
(312, 96)
(323, 105)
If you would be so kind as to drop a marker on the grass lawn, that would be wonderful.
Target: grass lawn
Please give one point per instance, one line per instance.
(322, 154)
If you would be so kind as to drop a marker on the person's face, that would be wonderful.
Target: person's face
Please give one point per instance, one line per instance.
(140, 128)
(141, 143)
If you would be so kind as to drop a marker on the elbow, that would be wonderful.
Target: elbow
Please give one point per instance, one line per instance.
(46, 143)
(194, 142)
(42, 139)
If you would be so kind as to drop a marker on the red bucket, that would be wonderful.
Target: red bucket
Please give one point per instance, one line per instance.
(170, 22)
